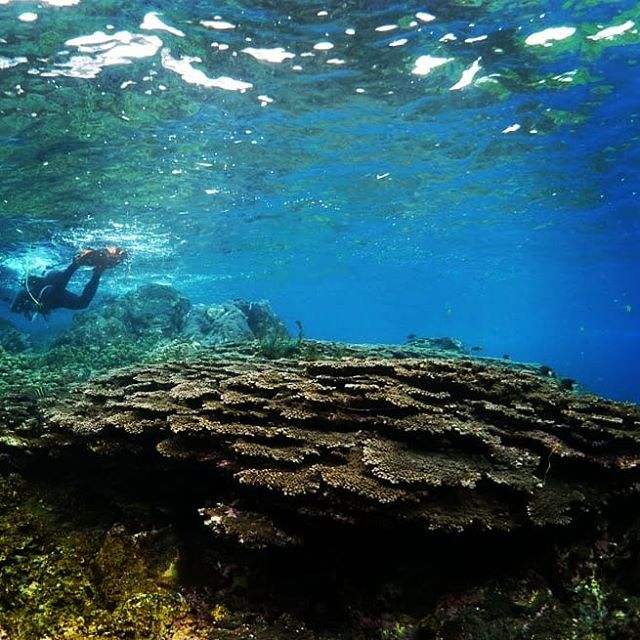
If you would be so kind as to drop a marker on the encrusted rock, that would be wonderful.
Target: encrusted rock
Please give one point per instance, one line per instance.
(156, 308)
(235, 321)
(150, 310)
(214, 324)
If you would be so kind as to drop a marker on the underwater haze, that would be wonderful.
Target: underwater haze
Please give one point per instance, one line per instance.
(462, 168)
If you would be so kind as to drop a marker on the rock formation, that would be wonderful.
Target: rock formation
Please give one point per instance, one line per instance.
(160, 312)
(232, 321)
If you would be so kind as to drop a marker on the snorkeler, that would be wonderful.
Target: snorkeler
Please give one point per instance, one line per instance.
(43, 294)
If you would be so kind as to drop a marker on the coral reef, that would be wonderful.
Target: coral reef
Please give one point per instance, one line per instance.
(437, 444)
(280, 488)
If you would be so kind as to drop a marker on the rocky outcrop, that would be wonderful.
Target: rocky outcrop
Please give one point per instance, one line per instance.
(233, 321)
(152, 310)
(156, 312)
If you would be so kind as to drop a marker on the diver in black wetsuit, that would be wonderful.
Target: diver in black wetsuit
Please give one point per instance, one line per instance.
(43, 294)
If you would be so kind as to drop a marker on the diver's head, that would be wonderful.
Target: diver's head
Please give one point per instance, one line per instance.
(29, 302)
(25, 306)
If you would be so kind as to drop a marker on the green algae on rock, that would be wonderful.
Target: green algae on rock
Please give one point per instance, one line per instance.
(67, 579)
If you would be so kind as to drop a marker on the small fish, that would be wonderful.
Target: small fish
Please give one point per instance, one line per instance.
(37, 392)
(506, 356)
(546, 370)
(477, 347)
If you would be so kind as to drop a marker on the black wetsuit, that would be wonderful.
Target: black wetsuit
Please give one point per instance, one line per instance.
(42, 294)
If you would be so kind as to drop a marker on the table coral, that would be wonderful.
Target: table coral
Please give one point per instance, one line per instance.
(407, 440)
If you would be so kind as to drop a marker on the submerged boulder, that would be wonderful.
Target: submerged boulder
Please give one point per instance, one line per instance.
(154, 308)
(215, 324)
(262, 321)
(234, 321)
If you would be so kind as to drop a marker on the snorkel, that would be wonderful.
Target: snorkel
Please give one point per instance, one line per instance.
(36, 301)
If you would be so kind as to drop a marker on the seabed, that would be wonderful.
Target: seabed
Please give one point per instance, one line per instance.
(232, 481)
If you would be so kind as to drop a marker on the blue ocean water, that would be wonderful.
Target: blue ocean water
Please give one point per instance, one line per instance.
(374, 170)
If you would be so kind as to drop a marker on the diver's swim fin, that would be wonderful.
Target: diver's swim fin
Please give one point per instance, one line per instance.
(104, 258)
(86, 258)
(111, 256)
